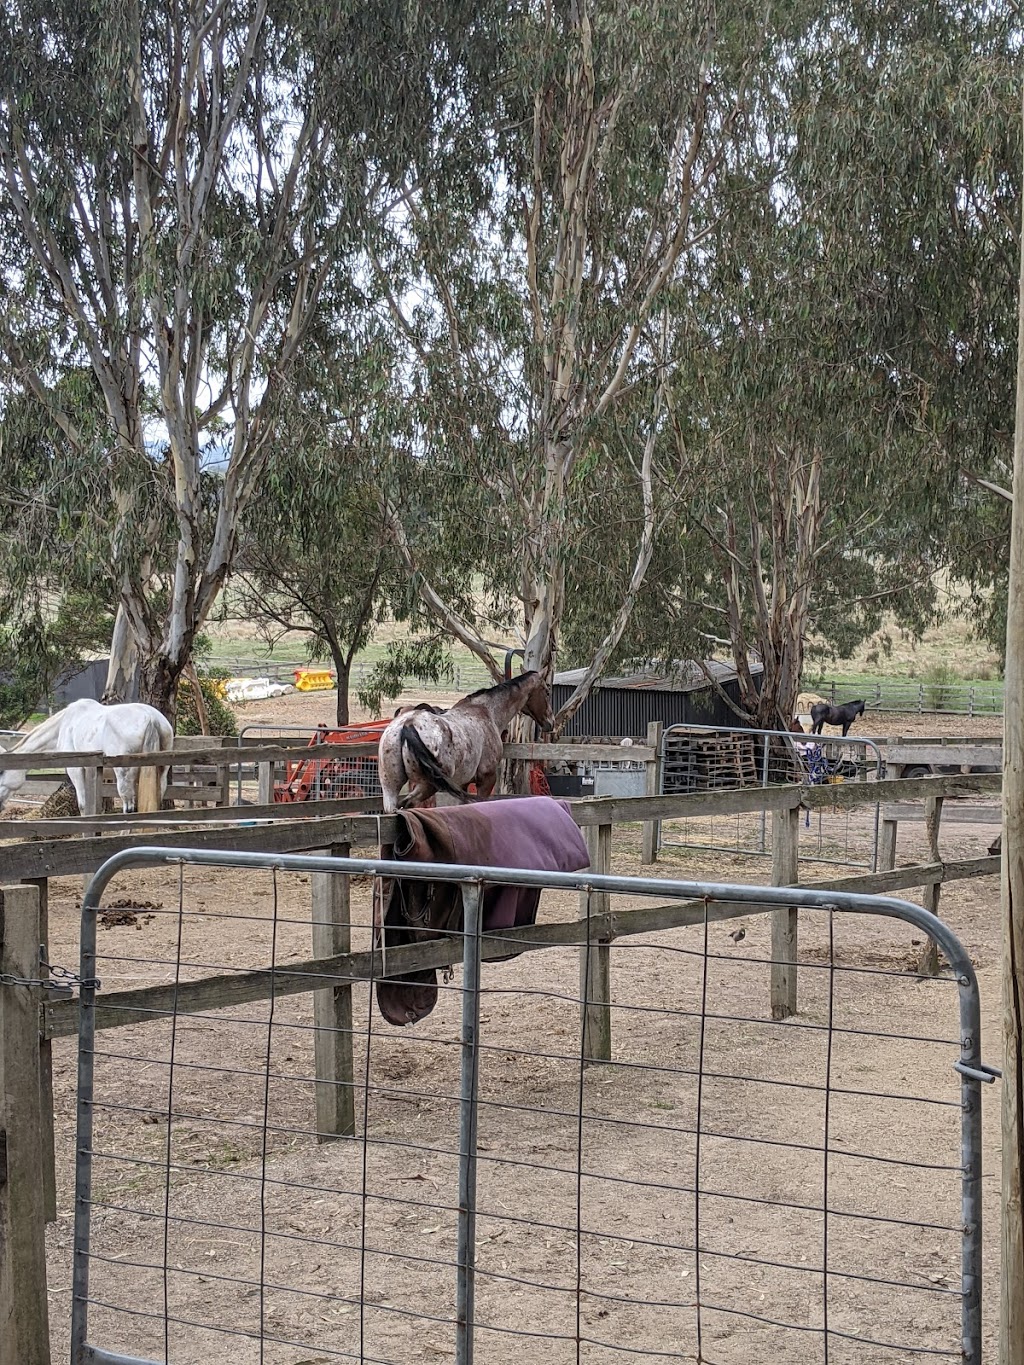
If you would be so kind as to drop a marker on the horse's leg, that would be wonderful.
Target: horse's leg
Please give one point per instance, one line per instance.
(127, 780)
(77, 776)
(485, 783)
(419, 793)
(11, 781)
(390, 771)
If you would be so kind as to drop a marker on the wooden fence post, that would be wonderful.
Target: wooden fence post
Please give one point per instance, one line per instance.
(92, 779)
(93, 782)
(49, 1156)
(928, 962)
(265, 779)
(24, 1319)
(595, 963)
(785, 872)
(332, 1008)
(224, 773)
(652, 828)
(887, 845)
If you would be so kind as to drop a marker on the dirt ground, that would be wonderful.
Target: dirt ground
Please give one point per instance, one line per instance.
(374, 1219)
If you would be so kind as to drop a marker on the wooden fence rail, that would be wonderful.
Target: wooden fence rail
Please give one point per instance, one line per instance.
(295, 833)
(231, 755)
(322, 973)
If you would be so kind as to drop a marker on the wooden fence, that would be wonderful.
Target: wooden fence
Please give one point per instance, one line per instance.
(207, 770)
(29, 1021)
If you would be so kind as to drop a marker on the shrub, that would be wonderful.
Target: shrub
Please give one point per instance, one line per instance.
(940, 686)
(219, 715)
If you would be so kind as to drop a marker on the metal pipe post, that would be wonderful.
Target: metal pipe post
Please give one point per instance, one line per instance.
(472, 898)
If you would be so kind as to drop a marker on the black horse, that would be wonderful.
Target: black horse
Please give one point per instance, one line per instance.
(845, 715)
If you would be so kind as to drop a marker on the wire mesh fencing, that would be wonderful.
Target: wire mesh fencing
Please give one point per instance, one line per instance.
(700, 758)
(725, 1188)
(307, 777)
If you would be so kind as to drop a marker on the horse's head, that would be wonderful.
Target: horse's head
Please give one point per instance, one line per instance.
(538, 703)
(858, 708)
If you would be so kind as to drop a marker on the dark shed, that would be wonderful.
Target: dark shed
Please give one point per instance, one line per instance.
(620, 707)
(89, 681)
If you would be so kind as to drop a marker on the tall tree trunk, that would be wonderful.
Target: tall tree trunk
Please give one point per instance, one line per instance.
(158, 683)
(342, 669)
(770, 583)
(122, 667)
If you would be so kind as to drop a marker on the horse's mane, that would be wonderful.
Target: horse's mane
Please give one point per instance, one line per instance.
(509, 685)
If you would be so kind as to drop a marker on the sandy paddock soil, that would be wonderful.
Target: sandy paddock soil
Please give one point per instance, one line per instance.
(316, 708)
(759, 1142)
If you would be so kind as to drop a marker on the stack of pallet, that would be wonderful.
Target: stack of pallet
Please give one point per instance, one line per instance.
(701, 760)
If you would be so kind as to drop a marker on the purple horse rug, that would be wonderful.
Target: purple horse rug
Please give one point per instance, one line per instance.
(533, 832)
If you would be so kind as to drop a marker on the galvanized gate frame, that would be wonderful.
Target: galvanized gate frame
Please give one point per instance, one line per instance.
(972, 1070)
(792, 737)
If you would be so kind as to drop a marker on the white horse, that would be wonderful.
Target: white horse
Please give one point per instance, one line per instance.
(87, 727)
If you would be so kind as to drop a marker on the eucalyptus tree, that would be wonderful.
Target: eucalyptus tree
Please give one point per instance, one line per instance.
(910, 133)
(53, 585)
(317, 559)
(529, 271)
(853, 341)
(173, 198)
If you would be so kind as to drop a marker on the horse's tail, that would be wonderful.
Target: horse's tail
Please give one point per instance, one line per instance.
(157, 739)
(429, 766)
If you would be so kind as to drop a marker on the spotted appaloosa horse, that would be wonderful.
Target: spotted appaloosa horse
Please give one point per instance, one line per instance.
(89, 727)
(445, 752)
(845, 715)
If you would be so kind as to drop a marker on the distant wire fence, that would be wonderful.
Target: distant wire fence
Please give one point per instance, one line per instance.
(726, 1188)
(882, 694)
(892, 694)
(698, 758)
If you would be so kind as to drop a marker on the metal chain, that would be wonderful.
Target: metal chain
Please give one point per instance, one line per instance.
(59, 980)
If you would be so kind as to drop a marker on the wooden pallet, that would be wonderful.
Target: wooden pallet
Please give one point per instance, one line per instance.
(702, 760)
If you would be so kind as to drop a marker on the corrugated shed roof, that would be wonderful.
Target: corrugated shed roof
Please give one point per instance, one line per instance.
(682, 675)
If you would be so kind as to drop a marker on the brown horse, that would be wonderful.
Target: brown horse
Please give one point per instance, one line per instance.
(445, 752)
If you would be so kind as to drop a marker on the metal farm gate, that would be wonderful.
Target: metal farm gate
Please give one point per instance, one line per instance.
(728, 1187)
(698, 758)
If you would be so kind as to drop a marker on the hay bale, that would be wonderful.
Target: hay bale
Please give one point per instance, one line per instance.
(804, 702)
(59, 804)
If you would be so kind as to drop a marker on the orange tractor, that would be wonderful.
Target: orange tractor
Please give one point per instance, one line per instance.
(331, 779)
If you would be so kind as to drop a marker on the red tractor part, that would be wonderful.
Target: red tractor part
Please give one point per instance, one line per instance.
(334, 778)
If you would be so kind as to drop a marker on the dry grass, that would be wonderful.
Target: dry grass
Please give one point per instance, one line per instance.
(949, 644)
